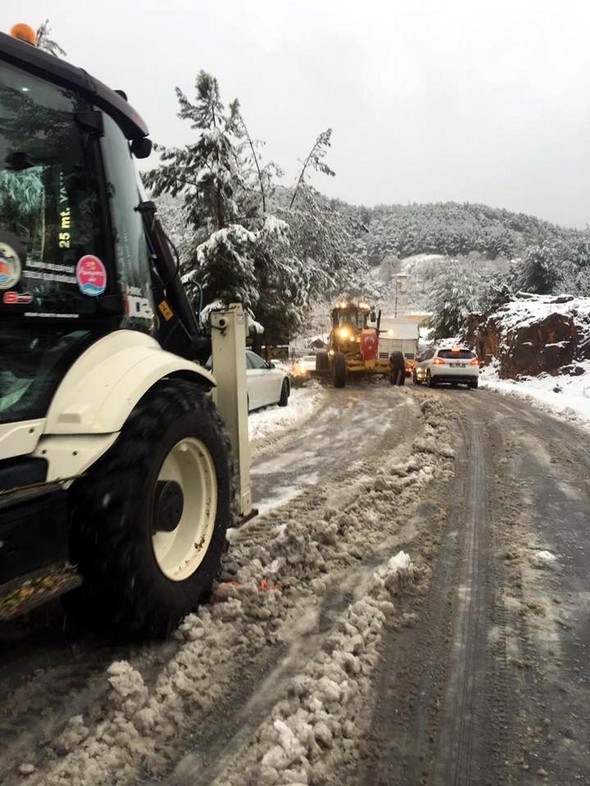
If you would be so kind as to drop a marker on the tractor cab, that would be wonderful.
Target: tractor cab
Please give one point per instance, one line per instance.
(80, 255)
(351, 333)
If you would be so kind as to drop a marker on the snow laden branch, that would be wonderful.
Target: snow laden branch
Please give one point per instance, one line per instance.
(315, 161)
(237, 229)
(47, 44)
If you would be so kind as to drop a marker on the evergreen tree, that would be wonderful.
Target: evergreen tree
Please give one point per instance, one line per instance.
(208, 176)
(314, 160)
(540, 272)
(454, 297)
(275, 264)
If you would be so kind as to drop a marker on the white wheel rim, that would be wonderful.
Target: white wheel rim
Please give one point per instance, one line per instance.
(180, 552)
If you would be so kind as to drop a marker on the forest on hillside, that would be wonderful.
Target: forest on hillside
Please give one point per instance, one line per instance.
(246, 236)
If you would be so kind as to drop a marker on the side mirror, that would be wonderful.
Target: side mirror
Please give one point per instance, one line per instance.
(141, 148)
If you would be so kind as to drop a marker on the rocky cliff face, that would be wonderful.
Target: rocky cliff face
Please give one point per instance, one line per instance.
(533, 334)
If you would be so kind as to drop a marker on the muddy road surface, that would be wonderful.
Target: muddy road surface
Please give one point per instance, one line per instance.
(411, 606)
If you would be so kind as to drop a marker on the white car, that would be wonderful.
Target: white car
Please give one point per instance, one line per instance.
(450, 364)
(280, 365)
(266, 384)
(305, 365)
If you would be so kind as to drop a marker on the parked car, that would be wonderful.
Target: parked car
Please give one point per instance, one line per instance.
(305, 365)
(266, 384)
(451, 364)
(280, 365)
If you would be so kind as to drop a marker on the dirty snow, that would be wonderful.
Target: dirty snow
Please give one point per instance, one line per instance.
(306, 594)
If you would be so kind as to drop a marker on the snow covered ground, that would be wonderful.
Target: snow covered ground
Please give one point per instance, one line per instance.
(273, 421)
(564, 396)
(281, 663)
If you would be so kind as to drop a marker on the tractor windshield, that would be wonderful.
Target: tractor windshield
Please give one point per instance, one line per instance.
(351, 316)
(54, 279)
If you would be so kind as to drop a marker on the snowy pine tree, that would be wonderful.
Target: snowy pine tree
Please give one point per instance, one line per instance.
(454, 297)
(539, 273)
(207, 175)
(46, 43)
(244, 241)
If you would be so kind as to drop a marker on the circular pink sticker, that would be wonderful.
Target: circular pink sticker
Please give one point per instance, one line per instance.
(91, 276)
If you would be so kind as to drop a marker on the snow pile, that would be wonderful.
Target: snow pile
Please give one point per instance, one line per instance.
(543, 559)
(282, 570)
(317, 716)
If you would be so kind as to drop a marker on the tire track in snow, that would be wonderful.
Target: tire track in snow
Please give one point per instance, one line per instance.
(460, 741)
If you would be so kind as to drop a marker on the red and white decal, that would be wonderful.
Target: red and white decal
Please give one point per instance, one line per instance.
(17, 298)
(91, 276)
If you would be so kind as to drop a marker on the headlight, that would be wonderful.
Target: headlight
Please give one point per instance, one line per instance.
(344, 332)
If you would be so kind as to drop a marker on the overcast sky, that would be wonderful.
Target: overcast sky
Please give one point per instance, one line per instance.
(429, 100)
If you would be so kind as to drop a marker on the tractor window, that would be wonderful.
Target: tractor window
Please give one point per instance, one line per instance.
(130, 242)
(51, 236)
(350, 317)
(55, 282)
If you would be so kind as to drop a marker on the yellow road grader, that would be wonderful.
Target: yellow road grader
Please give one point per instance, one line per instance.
(353, 346)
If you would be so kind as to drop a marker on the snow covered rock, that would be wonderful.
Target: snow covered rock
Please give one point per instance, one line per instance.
(532, 334)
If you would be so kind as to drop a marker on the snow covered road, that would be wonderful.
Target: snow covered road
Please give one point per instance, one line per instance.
(404, 610)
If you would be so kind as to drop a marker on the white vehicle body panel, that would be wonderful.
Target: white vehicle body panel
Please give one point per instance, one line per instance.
(264, 383)
(100, 390)
(398, 335)
(93, 401)
(19, 439)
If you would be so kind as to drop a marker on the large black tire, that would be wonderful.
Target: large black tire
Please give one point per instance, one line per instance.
(339, 370)
(322, 362)
(415, 379)
(473, 384)
(113, 526)
(430, 380)
(285, 391)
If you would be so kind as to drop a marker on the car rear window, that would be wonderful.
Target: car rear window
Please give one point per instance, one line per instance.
(461, 354)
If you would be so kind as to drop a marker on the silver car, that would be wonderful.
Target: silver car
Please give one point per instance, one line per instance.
(452, 364)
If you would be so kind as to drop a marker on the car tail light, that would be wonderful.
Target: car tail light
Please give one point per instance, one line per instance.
(439, 362)
(474, 362)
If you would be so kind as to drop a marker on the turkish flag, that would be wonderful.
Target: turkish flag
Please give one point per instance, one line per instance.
(369, 344)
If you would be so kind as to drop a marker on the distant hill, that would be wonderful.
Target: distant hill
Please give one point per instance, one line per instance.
(454, 229)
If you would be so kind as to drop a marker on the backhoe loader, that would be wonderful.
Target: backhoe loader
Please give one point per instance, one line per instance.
(117, 475)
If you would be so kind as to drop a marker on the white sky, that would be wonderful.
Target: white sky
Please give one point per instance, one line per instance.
(429, 100)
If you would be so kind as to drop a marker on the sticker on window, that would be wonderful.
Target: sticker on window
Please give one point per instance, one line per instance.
(91, 276)
(10, 268)
(17, 298)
